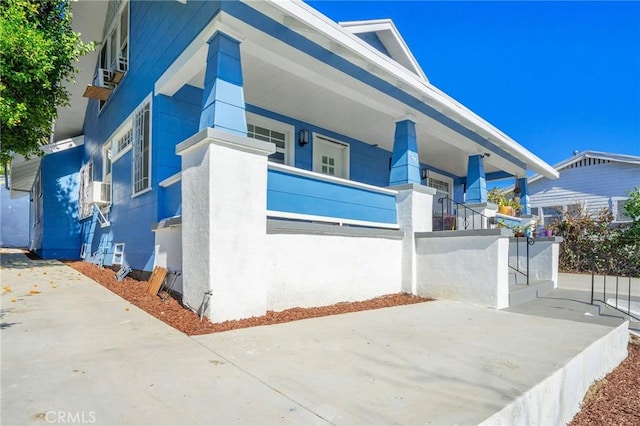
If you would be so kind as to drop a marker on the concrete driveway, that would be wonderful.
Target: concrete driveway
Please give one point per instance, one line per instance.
(77, 353)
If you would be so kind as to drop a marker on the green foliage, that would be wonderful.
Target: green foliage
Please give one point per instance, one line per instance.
(596, 241)
(38, 49)
(496, 196)
(632, 209)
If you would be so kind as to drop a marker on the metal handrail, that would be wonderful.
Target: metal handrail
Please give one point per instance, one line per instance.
(620, 272)
(485, 222)
(455, 207)
(530, 241)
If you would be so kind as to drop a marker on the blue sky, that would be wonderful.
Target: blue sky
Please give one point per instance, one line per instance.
(555, 76)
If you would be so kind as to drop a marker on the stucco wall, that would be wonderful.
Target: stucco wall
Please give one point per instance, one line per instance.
(543, 258)
(468, 266)
(305, 270)
(14, 219)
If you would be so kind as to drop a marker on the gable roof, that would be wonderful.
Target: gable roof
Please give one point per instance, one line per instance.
(596, 155)
(393, 45)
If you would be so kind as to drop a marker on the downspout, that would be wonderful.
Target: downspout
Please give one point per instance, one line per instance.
(6, 176)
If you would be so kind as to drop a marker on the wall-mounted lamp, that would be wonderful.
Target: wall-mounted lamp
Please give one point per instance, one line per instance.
(303, 137)
(424, 173)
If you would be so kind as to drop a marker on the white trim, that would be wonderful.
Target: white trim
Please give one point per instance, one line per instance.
(134, 193)
(123, 129)
(171, 180)
(280, 126)
(144, 191)
(615, 211)
(436, 175)
(329, 219)
(319, 138)
(608, 156)
(450, 107)
(117, 252)
(84, 250)
(331, 179)
(379, 27)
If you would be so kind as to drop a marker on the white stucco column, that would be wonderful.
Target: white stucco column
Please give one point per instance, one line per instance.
(224, 204)
(415, 214)
(476, 221)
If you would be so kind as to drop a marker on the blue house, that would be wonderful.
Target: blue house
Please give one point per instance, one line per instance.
(252, 145)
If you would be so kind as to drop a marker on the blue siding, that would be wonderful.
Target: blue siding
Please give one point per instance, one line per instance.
(368, 164)
(291, 193)
(171, 201)
(60, 237)
(373, 39)
(159, 32)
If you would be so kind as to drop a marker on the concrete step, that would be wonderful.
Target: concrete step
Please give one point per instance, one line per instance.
(519, 294)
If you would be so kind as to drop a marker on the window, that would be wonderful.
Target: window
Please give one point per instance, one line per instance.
(279, 133)
(114, 54)
(84, 250)
(551, 214)
(106, 163)
(141, 149)
(118, 254)
(621, 216)
(84, 197)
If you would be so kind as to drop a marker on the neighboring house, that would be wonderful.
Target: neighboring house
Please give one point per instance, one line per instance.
(14, 218)
(589, 182)
(187, 100)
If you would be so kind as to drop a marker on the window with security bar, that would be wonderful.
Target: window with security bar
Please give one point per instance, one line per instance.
(141, 149)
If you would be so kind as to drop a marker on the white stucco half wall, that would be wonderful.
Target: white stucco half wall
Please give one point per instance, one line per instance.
(310, 269)
(467, 266)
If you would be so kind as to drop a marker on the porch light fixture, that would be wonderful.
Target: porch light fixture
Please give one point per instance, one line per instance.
(303, 137)
(424, 173)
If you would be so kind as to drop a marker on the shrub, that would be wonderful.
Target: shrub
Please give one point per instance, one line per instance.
(597, 241)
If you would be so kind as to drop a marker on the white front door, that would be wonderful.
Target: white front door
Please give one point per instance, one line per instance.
(330, 158)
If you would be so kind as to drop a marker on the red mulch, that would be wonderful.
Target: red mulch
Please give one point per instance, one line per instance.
(614, 400)
(171, 311)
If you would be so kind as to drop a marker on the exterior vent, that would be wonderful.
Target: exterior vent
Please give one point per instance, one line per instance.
(100, 193)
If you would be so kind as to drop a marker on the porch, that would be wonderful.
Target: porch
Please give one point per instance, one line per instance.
(307, 239)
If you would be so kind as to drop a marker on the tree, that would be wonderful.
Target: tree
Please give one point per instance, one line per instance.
(632, 209)
(38, 49)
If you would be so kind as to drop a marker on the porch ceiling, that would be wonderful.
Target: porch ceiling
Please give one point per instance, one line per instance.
(283, 79)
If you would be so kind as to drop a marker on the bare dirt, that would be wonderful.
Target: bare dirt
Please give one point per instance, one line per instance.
(614, 400)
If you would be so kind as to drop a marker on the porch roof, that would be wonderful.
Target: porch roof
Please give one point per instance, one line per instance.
(299, 63)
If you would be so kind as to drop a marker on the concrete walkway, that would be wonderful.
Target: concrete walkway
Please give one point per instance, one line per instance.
(76, 351)
(572, 301)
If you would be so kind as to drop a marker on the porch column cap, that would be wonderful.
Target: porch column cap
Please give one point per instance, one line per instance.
(220, 137)
(414, 187)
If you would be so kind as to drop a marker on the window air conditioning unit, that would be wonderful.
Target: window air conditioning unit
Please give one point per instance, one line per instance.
(122, 64)
(103, 78)
(100, 193)
(118, 68)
